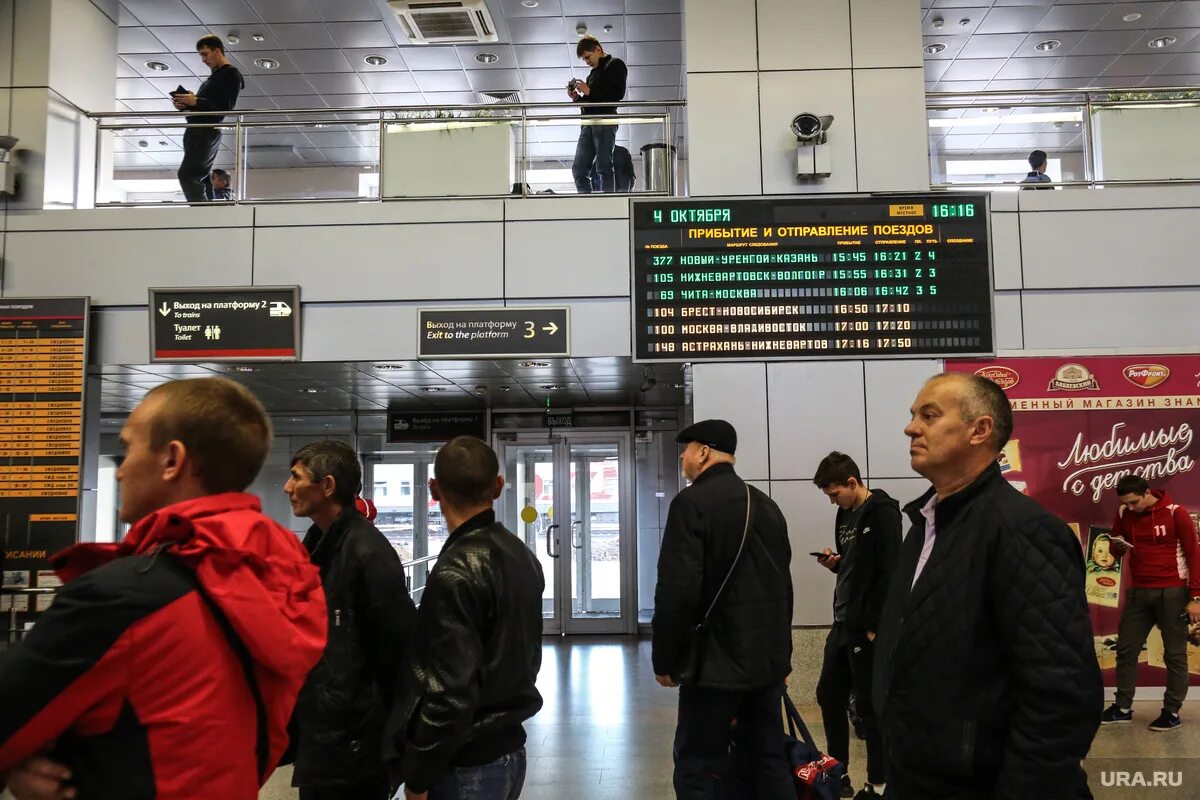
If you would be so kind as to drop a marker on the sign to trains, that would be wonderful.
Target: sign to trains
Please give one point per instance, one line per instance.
(225, 323)
(43, 358)
(493, 332)
(434, 426)
(811, 277)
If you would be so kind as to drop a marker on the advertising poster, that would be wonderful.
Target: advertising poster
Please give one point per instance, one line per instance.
(1079, 425)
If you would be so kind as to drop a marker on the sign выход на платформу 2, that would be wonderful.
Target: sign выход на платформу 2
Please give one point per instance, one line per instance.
(811, 277)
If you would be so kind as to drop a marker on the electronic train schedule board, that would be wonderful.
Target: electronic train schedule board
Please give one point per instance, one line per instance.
(882, 276)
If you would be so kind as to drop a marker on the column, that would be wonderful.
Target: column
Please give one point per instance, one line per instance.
(59, 60)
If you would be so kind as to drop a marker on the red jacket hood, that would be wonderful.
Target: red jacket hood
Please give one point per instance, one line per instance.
(257, 572)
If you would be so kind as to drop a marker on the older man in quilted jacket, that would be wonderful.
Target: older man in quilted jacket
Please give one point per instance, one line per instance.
(986, 680)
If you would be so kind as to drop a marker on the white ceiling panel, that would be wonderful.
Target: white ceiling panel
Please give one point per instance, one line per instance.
(654, 53)
(337, 83)
(992, 45)
(981, 69)
(538, 30)
(1181, 15)
(361, 34)
(222, 12)
(175, 66)
(346, 10)
(389, 81)
(136, 88)
(534, 56)
(653, 27)
(1012, 19)
(545, 8)
(311, 61)
(160, 12)
(138, 40)
(303, 36)
(505, 57)
(395, 62)
(1081, 66)
(276, 85)
(1072, 17)
(436, 81)
(1105, 43)
(244, 61)
(272, 11)
(494, 80)
(432, 58)
(547, 79)
(1026, 69)
(1150, 13)
(1068, 39)
(1140, 64)
(179, 38)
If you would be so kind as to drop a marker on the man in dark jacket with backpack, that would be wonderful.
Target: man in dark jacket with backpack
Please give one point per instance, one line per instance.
(986, 680)
(340, 715)
(867, 537)
(724, 566)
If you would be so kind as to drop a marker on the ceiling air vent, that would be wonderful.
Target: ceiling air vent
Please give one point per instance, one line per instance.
(501, 96)
(439, 21)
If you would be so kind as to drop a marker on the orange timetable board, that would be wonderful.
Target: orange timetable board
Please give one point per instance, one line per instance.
(43, 354)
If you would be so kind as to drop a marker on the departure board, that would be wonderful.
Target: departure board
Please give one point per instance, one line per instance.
(43, 354)
(811, 277)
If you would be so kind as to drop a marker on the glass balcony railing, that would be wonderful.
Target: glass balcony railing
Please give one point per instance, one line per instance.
(1092, 137)
(498, 150)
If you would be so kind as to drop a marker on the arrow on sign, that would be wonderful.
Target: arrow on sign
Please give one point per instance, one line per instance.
(550, 329)
(165, 310)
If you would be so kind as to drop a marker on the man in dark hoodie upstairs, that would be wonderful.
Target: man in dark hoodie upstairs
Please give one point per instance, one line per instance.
(1157, 539)
(168, 665)
(867, 537)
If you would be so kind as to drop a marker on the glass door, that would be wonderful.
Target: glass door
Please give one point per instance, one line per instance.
(568, 497)
(398, 485)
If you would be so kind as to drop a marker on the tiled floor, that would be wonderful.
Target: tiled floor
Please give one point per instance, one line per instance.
(606, 728)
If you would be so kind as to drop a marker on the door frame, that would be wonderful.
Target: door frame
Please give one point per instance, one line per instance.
(625, 623)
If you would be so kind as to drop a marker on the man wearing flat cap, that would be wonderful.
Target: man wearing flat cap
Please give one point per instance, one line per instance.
(722, 618)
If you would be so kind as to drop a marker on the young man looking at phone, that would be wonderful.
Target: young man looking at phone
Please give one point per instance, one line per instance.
(867, 537)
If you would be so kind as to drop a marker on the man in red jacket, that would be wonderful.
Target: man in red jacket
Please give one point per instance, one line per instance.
(169, 664)
(1162, 564)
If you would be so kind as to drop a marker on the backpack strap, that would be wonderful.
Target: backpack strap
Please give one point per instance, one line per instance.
(262, 745)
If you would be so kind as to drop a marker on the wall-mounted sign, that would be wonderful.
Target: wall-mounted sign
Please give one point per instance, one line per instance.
(811, 277)
(493, 332)
(559, 419)
(225, 323)
(43, 358)
(435, 426)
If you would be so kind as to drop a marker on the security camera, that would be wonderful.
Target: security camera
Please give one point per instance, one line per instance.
(811, 128)
(8, 172)
(814, 157)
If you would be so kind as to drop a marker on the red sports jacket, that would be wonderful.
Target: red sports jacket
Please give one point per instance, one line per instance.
(1165, 551)
(130, 677)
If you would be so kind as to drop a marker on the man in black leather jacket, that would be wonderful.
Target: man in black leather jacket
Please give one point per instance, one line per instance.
(986, 680)
(470, 684)
(746, 651)
(338, 724)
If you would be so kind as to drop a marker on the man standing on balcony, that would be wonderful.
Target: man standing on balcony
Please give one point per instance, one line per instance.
(337, 729)
(218, 93)
(606, 81)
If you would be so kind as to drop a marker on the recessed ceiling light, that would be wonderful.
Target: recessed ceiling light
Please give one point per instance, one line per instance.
(143, 143)
(487, 58)
(432, 389)
(530, 3)
(608, 28)
(388, 366)
(1162, 41)
(1134, 17)
(375, 60)
(964, 22)
(554, 387)
(258, 37)
(311, 391)
(157, 66)
(266, 63)
(1047, 45)
(936, 47)
(533, 363)
(233, 38)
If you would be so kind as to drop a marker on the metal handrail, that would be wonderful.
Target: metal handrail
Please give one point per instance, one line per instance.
(1085, 100)
(418, 561)
(382, 109)
(380, 116)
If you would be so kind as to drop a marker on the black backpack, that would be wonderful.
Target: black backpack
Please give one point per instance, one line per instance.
(623, 169)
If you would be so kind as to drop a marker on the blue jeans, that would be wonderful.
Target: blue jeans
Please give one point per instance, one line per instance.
(593, 156)
(502, 779)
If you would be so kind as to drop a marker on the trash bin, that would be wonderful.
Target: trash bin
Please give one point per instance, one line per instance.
(658, 167)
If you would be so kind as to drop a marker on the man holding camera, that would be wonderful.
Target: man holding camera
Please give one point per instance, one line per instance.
(606, 81)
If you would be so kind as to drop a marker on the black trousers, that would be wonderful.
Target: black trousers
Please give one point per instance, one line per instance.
(368, 790)
(848, 667)
(702, 739)
(200, 147)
